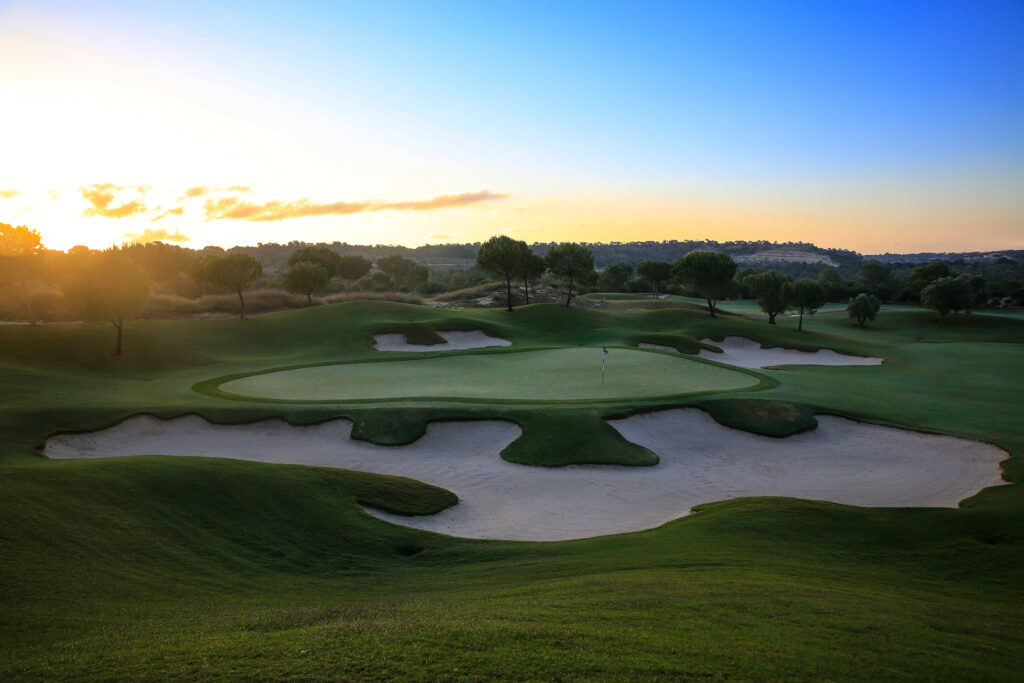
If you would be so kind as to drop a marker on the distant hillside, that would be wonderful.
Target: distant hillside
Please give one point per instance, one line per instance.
(926, 256)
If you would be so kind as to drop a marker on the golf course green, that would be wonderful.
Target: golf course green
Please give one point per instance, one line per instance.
(551, 375)
(154, 567)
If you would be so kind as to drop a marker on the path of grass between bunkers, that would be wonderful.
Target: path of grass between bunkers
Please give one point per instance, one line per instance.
(152, 567)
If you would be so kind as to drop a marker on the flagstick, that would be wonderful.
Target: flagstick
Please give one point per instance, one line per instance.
(602, 369)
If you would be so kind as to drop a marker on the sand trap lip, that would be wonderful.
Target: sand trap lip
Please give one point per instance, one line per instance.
(701, 461)
(747, 353)
(474, 339)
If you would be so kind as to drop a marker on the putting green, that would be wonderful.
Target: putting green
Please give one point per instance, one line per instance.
(544, 375)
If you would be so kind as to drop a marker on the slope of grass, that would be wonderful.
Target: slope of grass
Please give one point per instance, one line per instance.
(188, 568)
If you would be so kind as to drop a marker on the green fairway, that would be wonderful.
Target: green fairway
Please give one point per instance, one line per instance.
(548, 375)
(156, 568)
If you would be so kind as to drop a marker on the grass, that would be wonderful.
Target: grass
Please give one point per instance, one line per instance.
(169, 568)
(529, 376)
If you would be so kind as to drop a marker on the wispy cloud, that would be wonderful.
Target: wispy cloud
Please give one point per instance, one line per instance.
(150, 235)
(101, 196)
(235, 208)
(9, 194)
(200, 190)
(176, 211)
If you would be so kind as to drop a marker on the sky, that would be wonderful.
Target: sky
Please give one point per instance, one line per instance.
(879, 127)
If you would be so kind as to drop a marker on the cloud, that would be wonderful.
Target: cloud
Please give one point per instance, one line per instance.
(442, 202)
(176, 211)
(200, 190)
(101, 196)
(149, 235)
(439, 237)
(9, 194)
(54, 195)
(235, 208)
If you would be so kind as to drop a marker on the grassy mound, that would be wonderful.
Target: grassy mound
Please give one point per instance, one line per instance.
(152, 567)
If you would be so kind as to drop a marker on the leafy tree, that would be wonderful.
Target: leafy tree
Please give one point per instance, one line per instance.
(531, 267)
(921, 277)
(235, 271)
(502, 257)
(771, 290)
(352, 267)
(614, 277)
(108, 286)
(978, 290)
(306, 278)
(708, 272)
(863, 307)
(319, 255)
(947, 294)
(808, 296)
(834, 288)
(20, 249)
(404, 272)
(654, 272)
(877, 279)
(571, 262)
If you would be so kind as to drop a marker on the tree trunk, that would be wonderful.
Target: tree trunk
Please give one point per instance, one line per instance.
(711, 307)
(28, 303)
(861, 321)
(118, 324)
(654, 286)
(241, 305)
(800, 325)
(309, 299)
(771, 318)
(508, 293)
(526, 283)
(568, 297)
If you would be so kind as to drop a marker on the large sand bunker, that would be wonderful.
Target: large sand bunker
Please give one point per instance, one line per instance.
(701, 461)
(475, 339)
(746, 353)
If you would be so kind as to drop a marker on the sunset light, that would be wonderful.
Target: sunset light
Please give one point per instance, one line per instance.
(870, 129)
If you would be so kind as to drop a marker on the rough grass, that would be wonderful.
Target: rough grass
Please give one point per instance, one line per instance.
(186, 568)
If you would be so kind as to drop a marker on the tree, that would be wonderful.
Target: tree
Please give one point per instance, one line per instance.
(326, 258)
(978, 290)
(20, 249)
(404, 272)
(306, 278)
(654, 272)
(921, 277)
(808, 296)
(572, 262)
(614, 277)
(877, 279)
(531, 267)
(771, 290)
(863, 307)
(947, 294)
(502, 257)
(352, 267)
(108, 286)
(708, 272)
(235, 271)
(833, 284)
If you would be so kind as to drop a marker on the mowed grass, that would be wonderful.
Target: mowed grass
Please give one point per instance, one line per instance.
(188, 568)
(553, 375)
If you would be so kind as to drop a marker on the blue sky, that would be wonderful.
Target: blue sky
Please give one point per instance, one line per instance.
(798, 119)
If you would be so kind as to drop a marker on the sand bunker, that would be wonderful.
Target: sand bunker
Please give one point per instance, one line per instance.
(453, 341)
(748, 354)
(701, 461)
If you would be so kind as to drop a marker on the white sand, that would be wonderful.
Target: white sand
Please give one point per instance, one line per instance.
(659, 347)
(748, 354)
(701, 461)
(475, 339)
